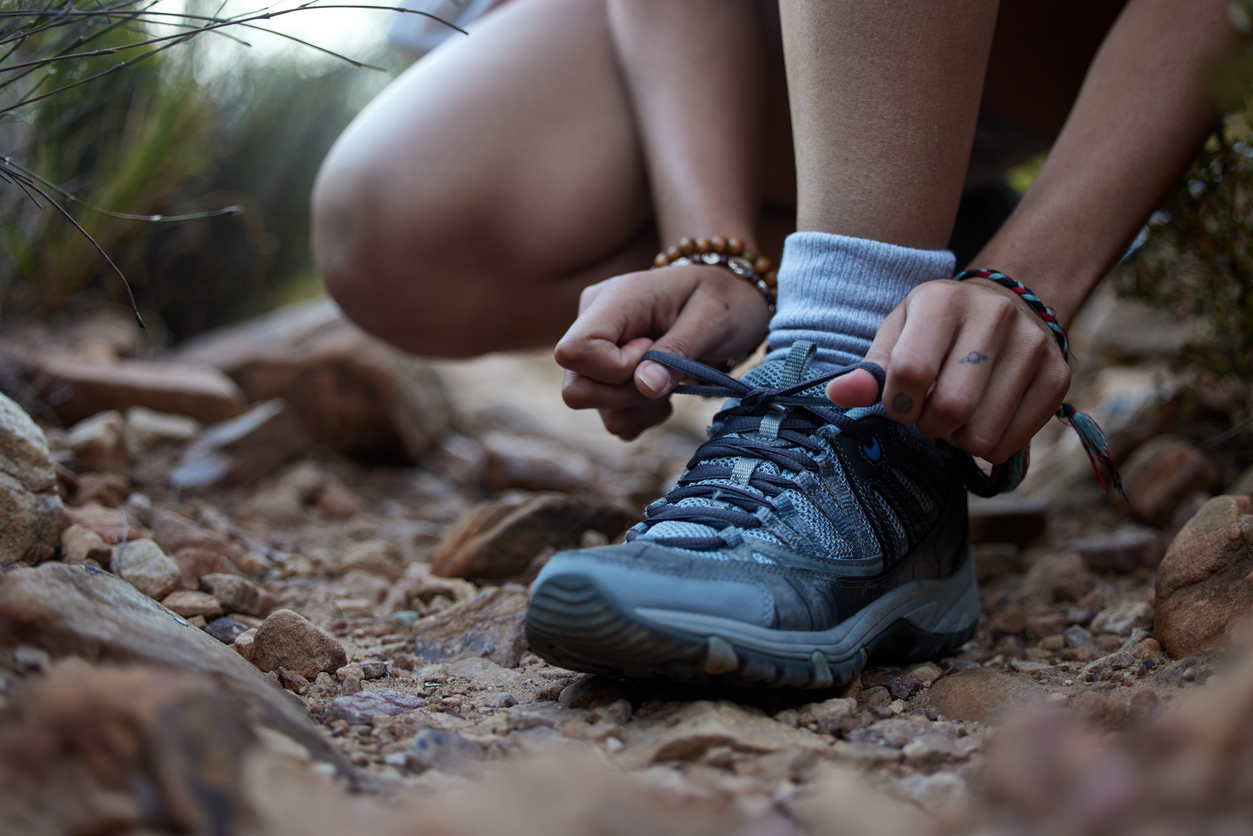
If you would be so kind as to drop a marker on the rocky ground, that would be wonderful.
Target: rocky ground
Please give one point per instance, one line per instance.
(273, 583)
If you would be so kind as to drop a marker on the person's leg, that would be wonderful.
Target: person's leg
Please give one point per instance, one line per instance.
(467, 207)
(885, 99)
(469, 204)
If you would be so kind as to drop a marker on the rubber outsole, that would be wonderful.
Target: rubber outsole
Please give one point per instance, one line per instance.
(574, 623)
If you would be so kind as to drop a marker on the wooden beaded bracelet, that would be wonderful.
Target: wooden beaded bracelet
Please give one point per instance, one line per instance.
(730, 253)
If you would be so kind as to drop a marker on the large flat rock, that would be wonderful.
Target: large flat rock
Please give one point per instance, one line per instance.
(78, 611)
(77, 389)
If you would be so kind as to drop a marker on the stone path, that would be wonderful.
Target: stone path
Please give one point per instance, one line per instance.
(261, 645)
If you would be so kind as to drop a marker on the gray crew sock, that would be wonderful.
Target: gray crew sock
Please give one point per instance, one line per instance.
(835, 290)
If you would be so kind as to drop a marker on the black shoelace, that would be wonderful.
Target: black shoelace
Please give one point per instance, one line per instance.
(796, 417)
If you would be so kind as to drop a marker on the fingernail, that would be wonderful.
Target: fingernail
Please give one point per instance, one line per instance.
(655, 377)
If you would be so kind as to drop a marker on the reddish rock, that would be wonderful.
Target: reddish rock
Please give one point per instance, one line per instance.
(100, 442)
(1123, 551)
(537, 464)
(78, 390)
(143, 565)
(499, 539)
(174, 532)
(30, 500)
(79, 543)
(194, 563)
(488, 626)
(190, 604)
(337, 501)
(289, 640)
(238, 594)
(112, 524)
(1205, 581)
(1162, 474)
(1007, 519)
(107, 489)
(349, 391)
(984, 695)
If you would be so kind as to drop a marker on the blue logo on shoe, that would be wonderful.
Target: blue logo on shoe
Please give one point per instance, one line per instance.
(872, 450)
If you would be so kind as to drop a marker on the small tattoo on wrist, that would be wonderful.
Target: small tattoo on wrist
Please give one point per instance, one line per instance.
(973, 357)
(902, 403)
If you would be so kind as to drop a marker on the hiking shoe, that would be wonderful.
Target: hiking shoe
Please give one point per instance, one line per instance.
(801, 539)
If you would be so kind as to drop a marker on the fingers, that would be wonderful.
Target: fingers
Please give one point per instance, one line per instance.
(965, 362)
(628, 423)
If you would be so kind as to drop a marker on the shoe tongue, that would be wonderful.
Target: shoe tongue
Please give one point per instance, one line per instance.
(788, 373)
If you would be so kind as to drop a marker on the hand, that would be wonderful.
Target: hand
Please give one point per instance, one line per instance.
(964, 360)
(699, 312)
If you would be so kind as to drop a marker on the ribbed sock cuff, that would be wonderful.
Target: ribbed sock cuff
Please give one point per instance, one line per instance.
(835, 290)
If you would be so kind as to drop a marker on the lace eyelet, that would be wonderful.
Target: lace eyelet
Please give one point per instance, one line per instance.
(872, 450)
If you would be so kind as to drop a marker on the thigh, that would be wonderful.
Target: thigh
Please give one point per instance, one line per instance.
(511, 149)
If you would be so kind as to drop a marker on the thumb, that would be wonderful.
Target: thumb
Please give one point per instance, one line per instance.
(860, 388)
(691, 337)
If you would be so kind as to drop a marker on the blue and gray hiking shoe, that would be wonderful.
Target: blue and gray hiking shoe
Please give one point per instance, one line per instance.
(801, 539)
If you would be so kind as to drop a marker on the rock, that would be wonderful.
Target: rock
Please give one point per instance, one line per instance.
(1123, 618)
(238, 594)
(1060, 576)
(225, 630)
(194, 563)
(174, 532)
(79, 390)
(536, 464)
(146, 428)
(239, 451)
(361, 708)
(685, 731)
(418, 588)
(590, 692)
(87, 749)
(402, 620)
(79, 543)
(100, 441)
(1123, 551)
(288, 640)
(1077, 636)
(108, 489)
(85, 612)
(1243, 486)
(446, 751)
(499, 539)
(983, 695)
(1161, 474)
(336, 501)
(349, 391)
(994, 559)
(1203, 582)
(244, 641)
(30, 502)
(490, 625)
(1135, 404)
(377, 557)
(143, 565)
(829, 713)
(1007, 519)
(113, 525)
(373, 670)
(189, 604)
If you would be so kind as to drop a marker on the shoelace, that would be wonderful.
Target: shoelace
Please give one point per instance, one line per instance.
(787, 420)
(793, 418)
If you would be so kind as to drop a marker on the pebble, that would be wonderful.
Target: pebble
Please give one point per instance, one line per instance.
(403, 619)
(190, 604)
(143, 565)
(362, 707)
(238, 594)
(1077, 636)
(373, 670)
(443, 750)
(225, 630)
(288, 640)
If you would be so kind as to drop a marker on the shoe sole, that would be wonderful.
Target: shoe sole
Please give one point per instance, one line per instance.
(575, 623)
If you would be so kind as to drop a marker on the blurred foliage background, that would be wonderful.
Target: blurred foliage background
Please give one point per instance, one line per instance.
(1197, 258)
(204, 125)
